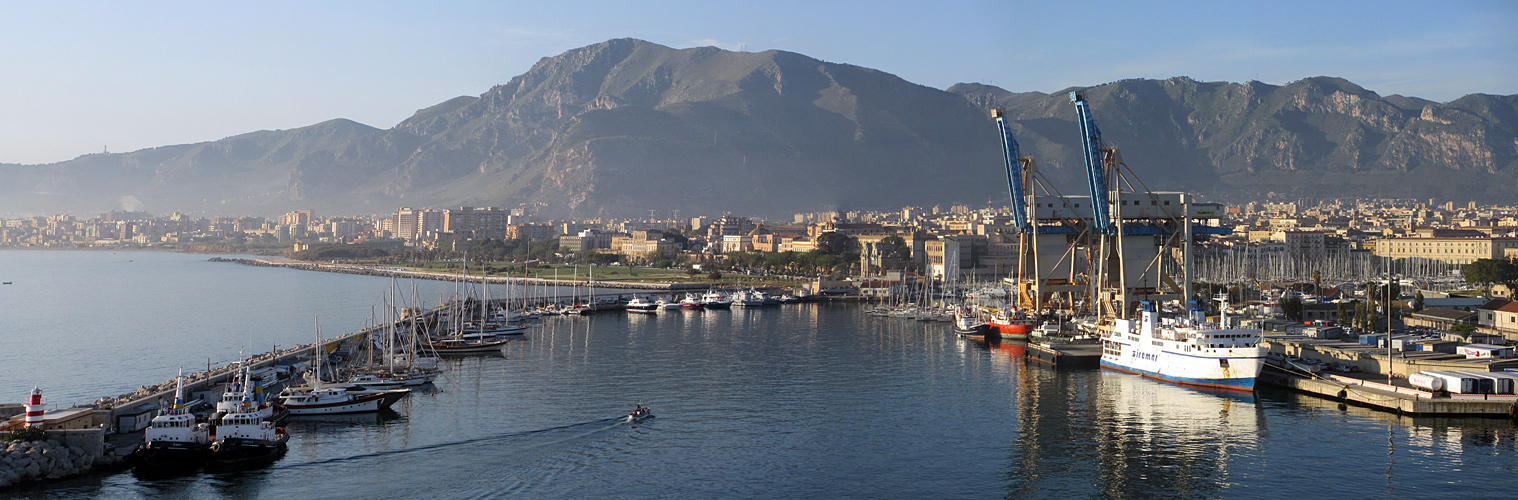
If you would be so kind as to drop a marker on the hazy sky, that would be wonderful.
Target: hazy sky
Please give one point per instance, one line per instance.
(80, 76)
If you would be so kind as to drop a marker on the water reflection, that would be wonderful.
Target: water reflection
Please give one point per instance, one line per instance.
(1117, 435)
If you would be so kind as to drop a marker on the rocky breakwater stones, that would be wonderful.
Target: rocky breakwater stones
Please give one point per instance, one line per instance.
(22, 461)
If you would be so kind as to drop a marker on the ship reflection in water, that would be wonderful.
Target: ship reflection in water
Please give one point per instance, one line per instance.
(1096, 432)
(1101, 433)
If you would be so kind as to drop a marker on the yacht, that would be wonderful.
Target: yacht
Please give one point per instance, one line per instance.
(748, 298)
(716, 300)
(641, 305)
(373, 382)
(325, 399)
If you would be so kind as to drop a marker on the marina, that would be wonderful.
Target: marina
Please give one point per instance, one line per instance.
(749, 393)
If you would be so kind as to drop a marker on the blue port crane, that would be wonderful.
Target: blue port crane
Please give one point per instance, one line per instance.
(1015, 174)
(1096, 166)
(1019, 169)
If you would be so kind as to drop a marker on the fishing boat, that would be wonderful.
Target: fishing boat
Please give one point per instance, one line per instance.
(666, 305)
(642, 306)
(692, 301)
(969, 323)
(245, 440)
(175, 441)
(1187, 350)
(1011, 324)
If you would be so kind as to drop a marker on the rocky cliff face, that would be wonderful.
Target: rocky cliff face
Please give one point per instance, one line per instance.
(624, 126)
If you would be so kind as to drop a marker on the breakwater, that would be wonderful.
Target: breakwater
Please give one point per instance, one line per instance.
(59, 454)
(65, 453)
(391, 272)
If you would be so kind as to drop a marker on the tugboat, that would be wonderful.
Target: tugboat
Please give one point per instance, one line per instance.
(639, 414)
(244, 440)
(245, 389)
(175, 442)
(969, 324)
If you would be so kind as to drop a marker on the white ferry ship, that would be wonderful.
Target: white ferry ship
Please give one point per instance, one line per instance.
(1187, 350)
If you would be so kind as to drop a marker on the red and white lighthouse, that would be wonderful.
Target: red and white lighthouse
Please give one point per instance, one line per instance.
(34, 408)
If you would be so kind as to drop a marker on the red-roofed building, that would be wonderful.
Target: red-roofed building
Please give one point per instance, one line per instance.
(1500, 316)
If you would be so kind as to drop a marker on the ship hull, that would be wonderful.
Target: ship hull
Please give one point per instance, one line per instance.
(1227, 384)
(1011, 331)
(1227, 369)
(159, 458)
(242, 454)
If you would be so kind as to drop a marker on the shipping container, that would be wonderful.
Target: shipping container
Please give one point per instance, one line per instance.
(1437, 346)
(1511, 377)
(1455, 383)
(1490, 383)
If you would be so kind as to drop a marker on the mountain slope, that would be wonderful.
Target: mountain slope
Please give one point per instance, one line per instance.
(624, 126)
(1317, 137)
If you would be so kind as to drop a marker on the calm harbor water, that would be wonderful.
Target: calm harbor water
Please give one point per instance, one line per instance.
(807, 401)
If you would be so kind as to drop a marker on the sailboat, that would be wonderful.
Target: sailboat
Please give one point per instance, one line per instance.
(391, 376)
(320, 399)
(459, 342)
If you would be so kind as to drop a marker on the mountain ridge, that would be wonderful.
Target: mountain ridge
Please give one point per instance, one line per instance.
(623, 126)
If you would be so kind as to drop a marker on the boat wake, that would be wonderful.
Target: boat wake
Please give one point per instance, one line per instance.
(526, 441)
(531, 462)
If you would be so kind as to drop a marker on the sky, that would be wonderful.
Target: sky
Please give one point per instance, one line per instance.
(82, 77)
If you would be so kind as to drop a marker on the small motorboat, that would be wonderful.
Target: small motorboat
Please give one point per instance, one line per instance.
(638, 414)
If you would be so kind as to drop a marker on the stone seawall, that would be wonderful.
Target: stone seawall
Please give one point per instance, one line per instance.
(60, 454)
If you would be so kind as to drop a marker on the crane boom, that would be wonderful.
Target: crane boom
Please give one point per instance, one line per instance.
(1096, 175)
(1014, 165)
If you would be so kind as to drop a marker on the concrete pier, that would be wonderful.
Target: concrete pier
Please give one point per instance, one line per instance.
(1392, 398)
